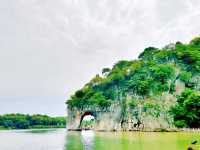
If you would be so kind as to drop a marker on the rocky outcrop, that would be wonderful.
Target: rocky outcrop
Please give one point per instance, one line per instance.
(138, 94)
(105, 120)
(148, 115)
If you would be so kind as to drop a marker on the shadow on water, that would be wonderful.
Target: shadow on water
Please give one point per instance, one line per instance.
(84, 140)
(40, 131)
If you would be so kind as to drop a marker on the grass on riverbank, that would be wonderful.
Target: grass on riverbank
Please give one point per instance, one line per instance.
(33, 127)
(2, 128)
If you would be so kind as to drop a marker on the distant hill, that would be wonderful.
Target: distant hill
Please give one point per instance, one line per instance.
(22, 121)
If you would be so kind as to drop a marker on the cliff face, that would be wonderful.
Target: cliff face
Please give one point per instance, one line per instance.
(105, 120)
(138, 94)
(156, 116)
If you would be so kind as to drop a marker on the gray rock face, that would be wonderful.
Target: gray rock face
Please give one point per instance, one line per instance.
(104, 119)
(155, 116)
(149, 114)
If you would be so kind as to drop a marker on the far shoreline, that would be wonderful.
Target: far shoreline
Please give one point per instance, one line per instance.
(155, 130)
(44, 127)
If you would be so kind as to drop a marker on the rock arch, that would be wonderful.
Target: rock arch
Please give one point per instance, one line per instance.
(105, 120)
(92, 113)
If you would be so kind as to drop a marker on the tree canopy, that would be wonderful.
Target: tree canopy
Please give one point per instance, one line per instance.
(187, 110)
(22, 121)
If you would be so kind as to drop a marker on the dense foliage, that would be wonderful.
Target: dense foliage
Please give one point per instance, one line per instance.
(154, 73)
(187, 110)
(21, 121)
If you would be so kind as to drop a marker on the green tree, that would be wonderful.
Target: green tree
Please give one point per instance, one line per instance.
(99, 100)
(148, 53)
(21, 121)
(187, 110)
(163, 72)
(105, 71)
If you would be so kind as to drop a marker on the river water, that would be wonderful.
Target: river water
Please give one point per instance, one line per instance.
(60, 139)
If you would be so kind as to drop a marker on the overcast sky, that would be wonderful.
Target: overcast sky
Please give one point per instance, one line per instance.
(50, 48)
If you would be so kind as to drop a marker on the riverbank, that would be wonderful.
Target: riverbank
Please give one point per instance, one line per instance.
(34, 127)
(2, 128)
(152, 130)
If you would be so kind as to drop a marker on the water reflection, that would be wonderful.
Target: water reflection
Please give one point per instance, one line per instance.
(83, 140)
(73, 141)
(40, 131)
(87, 138)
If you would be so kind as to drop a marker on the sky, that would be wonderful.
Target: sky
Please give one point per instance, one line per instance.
(49, 49)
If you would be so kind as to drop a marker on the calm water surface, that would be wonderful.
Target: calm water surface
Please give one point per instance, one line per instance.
(60, 139)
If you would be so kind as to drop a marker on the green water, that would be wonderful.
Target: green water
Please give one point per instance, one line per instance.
(60, 139)
(130, 141)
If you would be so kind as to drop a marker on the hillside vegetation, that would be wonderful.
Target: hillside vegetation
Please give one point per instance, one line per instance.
(21, 121)
(157, 74)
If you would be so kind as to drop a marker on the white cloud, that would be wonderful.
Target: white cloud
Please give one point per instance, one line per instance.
(51, 48)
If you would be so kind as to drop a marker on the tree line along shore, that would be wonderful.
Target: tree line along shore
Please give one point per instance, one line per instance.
(25, 121)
